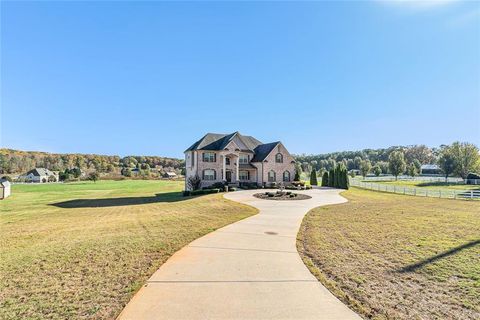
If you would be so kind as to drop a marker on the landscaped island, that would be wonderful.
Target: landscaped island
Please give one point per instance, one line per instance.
(282, 195)
(397, 257)
(81, 250)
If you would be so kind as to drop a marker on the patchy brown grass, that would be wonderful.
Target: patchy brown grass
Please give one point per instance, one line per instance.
(397, 257)
(80, 251)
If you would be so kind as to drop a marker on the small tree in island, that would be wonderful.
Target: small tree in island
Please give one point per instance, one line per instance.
(396, 163)
(313, 177)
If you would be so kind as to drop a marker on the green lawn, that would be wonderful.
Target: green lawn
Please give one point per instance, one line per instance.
(397, 257)
(81, 250)
(426, 184)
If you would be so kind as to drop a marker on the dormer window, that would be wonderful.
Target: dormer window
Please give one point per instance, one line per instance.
(279, 158)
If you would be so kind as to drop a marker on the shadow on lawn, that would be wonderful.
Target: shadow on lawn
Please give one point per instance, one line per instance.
(415, 266)
(124, 201)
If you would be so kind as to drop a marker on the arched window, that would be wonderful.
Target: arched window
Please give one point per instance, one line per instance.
(279, 158)
(286, 176)
(271, 176)
(209, 174)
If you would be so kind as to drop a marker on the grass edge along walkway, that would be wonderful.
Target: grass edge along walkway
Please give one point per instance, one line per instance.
(391, 256)
(81, 251)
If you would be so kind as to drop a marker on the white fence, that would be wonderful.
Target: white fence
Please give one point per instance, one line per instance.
(424, 178)
(417, 178)
(422, 192)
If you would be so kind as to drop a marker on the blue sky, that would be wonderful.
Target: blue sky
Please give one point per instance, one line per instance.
(151, 77)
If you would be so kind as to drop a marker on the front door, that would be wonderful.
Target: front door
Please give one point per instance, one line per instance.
(228, 176)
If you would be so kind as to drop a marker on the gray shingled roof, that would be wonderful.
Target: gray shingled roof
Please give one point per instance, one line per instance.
(216, 141)
(38, 172)
(4, 183)
(263, 150)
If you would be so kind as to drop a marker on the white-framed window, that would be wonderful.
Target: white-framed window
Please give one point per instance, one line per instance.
(271, 176)
(227, 161)
(286, 176)
(193, 159)
(209, 157)
(243, 175)
(209, 174)
(279, 158)
(244, 159)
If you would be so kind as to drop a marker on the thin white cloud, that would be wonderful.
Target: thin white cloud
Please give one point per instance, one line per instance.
(466, 18)
(417, 4)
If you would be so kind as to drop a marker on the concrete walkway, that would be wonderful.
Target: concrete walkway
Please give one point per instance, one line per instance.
(247, 270)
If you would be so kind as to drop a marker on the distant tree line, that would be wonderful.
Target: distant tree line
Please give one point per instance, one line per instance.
(19, 162)
(459, 159)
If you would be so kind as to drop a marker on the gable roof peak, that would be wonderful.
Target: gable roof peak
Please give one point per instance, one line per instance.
(218, 141)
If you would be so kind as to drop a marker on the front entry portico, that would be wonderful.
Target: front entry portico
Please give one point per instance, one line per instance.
(230, 167)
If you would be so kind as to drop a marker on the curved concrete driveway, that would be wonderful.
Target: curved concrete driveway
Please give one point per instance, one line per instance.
(247, 270)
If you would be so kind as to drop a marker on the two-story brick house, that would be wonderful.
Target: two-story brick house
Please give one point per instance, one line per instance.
(235, 158)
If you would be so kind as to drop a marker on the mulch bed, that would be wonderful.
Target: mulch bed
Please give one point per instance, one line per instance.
(285, 195)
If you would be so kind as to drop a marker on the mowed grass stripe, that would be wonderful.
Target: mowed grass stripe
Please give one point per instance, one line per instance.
(87, 262)
(397, 257)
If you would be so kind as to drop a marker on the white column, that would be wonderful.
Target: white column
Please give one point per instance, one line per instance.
(238, 165)
(224, 170)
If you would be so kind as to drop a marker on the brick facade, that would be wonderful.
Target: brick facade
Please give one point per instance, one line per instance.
(257, 171)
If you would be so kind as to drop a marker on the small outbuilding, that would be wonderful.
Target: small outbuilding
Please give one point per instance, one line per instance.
(170, 175)
(4, 189)
(430, 169)
(40, 175)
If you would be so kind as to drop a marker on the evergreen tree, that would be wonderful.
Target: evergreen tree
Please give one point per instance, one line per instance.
(313, 177)
(336, 182)
(325, 179)
(297, 175)
(331, 177)
(347, 183)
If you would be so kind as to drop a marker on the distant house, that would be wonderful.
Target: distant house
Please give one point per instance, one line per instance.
(4, 189)
(40, 175)
(170, 175)
(427, 169)
(355, 171)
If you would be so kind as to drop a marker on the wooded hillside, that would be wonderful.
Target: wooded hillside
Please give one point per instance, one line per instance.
(19, 162)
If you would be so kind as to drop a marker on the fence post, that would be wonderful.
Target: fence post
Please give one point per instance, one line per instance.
(439, 193)
(403, 190)
(414, 191)
(426, 193)
(471, 194)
